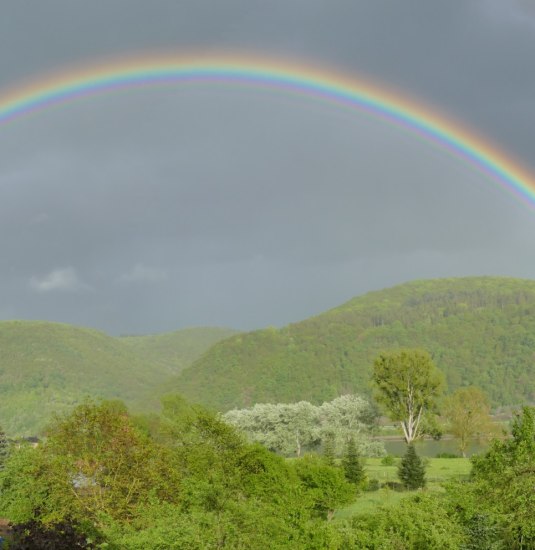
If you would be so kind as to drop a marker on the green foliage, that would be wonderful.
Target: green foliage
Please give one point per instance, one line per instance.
(51, 367)
(188, 481)
(411, 470)
(329, 449)
(326, 485)
(483, 534)
(388, 460)
(95, 464)
(352, 464)
(467, 411)
(478, 331)
(504, 481)
(419, 523)
(175, 350)
(4, 448)
(408, 385)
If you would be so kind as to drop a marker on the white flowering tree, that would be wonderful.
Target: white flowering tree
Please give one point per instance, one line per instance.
(350, 416)
(287, 428)
(282, 427)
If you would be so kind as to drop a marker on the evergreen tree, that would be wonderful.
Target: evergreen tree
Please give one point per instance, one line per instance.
(4, 448)
(353, 469)
(329, 452)
(411, 470)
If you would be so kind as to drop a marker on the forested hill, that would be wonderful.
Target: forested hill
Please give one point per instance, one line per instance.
(176, 350)
(48, 367)
(479, 330)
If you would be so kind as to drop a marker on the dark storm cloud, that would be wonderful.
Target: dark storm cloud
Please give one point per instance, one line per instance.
(157, 209)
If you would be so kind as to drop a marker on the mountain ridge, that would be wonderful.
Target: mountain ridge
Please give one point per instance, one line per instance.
(48, 367)
(479, 330)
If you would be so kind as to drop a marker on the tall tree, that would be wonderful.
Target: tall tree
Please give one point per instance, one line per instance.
(329, 450)
(408, 385)
(411, 470)
(468, 414)
(353, 469)
(282, 427)
(348, 416)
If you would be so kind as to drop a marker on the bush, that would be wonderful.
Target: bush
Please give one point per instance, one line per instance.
(393, 485)
(325, 485)
(373, 485)
(388, 460)
(447, 455)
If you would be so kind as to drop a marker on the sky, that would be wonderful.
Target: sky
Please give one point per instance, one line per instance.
(152, 210)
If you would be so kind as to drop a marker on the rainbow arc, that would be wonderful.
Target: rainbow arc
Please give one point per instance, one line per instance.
(282, 77)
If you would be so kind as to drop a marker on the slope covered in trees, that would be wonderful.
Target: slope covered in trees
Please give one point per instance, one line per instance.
(176, 350)
(478, 330)
(46, 367)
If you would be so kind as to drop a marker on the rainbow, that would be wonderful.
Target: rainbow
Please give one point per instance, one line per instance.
(343, 90)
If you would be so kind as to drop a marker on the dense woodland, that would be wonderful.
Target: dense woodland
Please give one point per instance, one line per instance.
(480, 331)
(48, 368)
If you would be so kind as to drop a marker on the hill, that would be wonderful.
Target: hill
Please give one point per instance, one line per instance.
(479, 330)
(48, 367)
(174, 351)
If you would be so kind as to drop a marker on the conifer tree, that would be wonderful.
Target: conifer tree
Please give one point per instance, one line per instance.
(329, 452)
(411, 470)
(353, 469)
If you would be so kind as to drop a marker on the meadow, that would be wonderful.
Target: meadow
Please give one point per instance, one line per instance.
(438, 471)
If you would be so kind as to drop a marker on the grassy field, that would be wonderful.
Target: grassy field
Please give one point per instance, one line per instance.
(438, 471)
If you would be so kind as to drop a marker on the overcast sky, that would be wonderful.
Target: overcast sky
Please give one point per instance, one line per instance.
(159, 209)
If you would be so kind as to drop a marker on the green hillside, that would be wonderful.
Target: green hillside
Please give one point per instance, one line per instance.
(174, 351)
(479, 330)
(48, 367)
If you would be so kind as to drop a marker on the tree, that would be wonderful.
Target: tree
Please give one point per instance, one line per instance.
(408, 384)
(349, 416)
(282, 427)
(289, 427)
(503, 481)
(326, 485)
(329, 452)
(468, 414)
(353, 469)
(411, 470)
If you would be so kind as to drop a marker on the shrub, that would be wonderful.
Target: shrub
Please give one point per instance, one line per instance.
(373, 485)
(388, 460)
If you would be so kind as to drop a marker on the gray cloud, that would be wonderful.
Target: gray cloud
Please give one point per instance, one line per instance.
(60, 279)
(213, 204)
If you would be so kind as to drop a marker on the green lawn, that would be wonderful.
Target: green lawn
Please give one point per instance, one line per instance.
(438, 471)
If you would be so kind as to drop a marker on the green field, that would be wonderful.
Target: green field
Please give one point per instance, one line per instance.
(439, 470)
